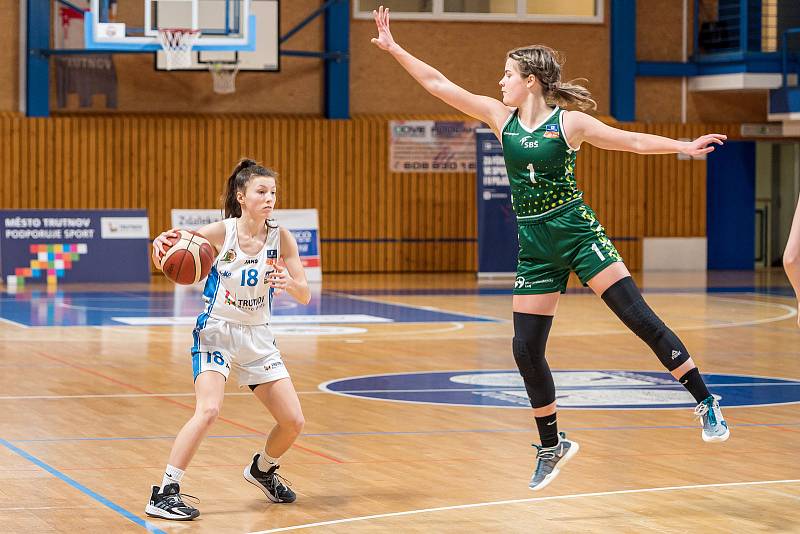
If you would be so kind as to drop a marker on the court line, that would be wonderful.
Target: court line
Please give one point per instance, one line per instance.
(532, 499)
(9, 321)
(675, 386)
(83, 489)
(182, 405)
(434, 309)
(416, 432)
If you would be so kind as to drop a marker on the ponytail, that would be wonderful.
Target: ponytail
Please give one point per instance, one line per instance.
(572, 94)
(544, 64)
(237, 181)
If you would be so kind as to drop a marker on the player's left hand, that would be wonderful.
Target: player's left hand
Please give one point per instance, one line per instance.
(279, 280)
(703, 144)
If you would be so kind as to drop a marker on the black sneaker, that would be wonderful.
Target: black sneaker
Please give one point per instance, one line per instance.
(170, 505)
(274, 486)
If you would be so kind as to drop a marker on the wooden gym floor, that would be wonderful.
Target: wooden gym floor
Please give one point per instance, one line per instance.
(96, 381)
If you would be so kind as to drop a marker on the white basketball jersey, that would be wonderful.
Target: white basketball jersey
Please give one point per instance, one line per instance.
(236, 290)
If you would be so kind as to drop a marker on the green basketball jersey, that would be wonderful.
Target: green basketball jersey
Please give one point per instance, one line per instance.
(541, 167)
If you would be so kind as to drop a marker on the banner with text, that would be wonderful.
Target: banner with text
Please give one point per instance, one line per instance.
(74, 246)
(432, 146)
(498, 246)
(303, 224)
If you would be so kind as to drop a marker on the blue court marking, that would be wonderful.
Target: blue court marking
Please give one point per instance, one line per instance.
(83, 489)
(590, 389)
(415, 432)
(81, 308)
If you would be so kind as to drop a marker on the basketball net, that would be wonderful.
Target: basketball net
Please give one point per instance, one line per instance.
(177, 44)
(224, 76)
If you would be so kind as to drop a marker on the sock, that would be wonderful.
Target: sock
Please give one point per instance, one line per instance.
(693, 382)
(265, 461)
(172, 475)
(548, 430)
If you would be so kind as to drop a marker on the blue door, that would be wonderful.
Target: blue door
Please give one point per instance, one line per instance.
(730, 214)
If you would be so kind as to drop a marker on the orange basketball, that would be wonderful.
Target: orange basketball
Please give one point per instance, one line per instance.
(188, 259)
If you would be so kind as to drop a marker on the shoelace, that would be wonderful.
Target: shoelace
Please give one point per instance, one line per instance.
(703, 409)
(281, 481)
(545, 453)
(177, 498)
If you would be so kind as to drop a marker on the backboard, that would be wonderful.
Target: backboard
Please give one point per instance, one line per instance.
(243, 31)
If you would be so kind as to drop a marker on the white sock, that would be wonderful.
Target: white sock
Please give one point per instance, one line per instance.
(265, 461)
(172, 475)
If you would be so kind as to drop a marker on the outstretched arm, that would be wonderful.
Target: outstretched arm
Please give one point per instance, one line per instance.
(791, 256)
(484, 108)
(581, 127)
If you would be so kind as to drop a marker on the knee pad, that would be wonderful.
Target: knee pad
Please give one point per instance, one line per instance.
(528, 346)
(627, 303)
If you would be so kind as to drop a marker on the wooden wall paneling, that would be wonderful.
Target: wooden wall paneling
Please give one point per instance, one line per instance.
(402, 221)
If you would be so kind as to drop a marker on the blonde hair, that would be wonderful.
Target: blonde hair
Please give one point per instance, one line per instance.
(545, 64)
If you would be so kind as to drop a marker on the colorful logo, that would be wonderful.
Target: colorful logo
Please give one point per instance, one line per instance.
(230, 299)
(551, 131)
(51, 260)
(229, 256)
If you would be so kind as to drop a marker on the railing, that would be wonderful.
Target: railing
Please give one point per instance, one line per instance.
(786, 52)
(741, 26)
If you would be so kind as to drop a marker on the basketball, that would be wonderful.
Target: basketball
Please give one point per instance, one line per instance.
(188, 259)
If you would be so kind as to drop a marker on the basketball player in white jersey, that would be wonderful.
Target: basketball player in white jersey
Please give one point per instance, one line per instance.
(233, 335)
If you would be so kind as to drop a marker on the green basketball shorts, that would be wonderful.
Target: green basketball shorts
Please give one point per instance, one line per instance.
(570, 240)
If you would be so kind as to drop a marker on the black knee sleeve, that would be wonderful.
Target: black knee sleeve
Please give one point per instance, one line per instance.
(530, 339)
(626, 301)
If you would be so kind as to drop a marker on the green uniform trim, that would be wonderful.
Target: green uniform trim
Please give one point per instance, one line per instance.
(558, 233)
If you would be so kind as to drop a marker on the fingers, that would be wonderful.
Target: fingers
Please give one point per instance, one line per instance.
(278, 278)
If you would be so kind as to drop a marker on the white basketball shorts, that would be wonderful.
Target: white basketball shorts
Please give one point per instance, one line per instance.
(248, 350)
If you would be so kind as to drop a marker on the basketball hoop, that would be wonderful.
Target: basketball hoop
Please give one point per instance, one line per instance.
(224, 75)
(177, 44)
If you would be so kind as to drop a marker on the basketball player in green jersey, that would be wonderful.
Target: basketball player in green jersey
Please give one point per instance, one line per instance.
(558, 232)
(791, 256)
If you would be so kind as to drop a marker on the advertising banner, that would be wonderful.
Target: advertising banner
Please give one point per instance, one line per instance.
(74, 246)
(432, 146)
(498, 245)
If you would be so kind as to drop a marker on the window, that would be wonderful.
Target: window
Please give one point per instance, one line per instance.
(573, 11)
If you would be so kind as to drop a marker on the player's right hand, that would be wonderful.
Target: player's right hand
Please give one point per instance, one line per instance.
(384, 41)
(159, 243)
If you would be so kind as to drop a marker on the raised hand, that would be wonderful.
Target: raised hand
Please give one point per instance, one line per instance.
(703, 144)
(279, 280)
(384, 41)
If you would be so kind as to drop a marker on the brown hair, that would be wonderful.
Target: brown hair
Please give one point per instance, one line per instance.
(237, 181)
(545, 64)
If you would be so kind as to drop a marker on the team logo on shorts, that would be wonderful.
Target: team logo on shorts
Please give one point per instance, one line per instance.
(229, 256)
(274, 365)
(519, 282)
(551, 131)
